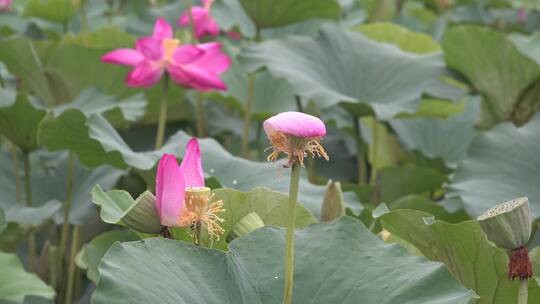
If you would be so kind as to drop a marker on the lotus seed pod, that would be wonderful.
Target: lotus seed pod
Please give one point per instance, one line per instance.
(143, 216)
(247, 224)
(333, 205)
(508, 225)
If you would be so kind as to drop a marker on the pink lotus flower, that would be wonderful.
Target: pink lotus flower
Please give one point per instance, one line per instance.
(295, 134)
(203, 22)
(5, 5)
(522, 15)
(191, 66)
(172, 181)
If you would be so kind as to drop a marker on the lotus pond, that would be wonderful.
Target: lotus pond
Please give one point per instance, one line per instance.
(270, 151)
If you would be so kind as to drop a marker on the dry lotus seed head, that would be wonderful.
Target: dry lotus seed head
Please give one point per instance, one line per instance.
(508, 225)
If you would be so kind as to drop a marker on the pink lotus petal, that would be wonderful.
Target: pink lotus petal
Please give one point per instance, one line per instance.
(123, 56)
(191, 165)
(296, 124)
(197, 78)
(162, 29)
(187, 53)
(170, 190)
(151, 48)
(214, 63)
(210, 47)
(144, 75)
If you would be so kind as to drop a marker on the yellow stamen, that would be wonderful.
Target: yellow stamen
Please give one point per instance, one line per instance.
(169, 46)
(295, 147)
(198, 210)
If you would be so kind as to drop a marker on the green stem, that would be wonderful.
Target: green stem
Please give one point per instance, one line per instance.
(15, 159)
(360, 156)
(201, 121)
(523, 291)
(374, 152)
(64, 234)
(247, 115)
(162, 118)
(71, 272)
(31, 237)
(289, 246)
(191, 22)
(197, 234)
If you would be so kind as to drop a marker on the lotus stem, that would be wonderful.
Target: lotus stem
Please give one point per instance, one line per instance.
(64, 233)
(31, 237)
(289, 246)
(201, 121)
(71, 273)
(374, 152)
(15, 159)
(84, 17)
(247, 115)
(197, 234)
(360, 155)
(162, 118)
(523, 291)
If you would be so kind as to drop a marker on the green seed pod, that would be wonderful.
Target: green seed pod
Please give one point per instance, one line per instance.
(333, 205)
(508, 225)
(247, 224)
(142, 216)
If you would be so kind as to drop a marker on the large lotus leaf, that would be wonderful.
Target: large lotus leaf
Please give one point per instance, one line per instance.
(449, 211)
(405, 39)
(431, 135)
(383, 78)
(16, 283)
(92, 252)
(3, 222)
(21, 59)
(59, 11)
(337, 262)
(493, 66)
(19, 119)
(464, 249)
(500, 165)
(272, 13)
(49, 182)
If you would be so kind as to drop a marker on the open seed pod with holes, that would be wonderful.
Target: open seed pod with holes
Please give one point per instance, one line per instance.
(508, 225)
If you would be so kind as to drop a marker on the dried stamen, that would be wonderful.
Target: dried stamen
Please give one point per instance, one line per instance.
(519, 265)
(295, 147)
(197, 210)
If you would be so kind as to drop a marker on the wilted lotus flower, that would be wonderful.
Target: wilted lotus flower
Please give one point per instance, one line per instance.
(203, 22)
(295, 134)
(191, 66)
(5, 5)
(181, 196)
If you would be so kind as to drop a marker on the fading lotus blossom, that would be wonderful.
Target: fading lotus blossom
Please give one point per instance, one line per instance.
(295, 134)
(203, 21)
(182, 199)
(191, 66)
(5, 5)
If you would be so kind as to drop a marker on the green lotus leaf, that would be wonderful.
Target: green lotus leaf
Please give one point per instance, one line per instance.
(329, 259)
(463, 247)
(16, 283)
(384, 80)
(498, 168)
(494, 67)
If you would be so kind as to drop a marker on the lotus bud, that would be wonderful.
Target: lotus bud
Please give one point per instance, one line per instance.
(333, 204)
(143, 216)
(508, 225)
(247, 224)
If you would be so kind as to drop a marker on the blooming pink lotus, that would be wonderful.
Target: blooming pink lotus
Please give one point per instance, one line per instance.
(203, 22)
(191, 66)
(295, 133)
(5, 5)
(181, 196)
